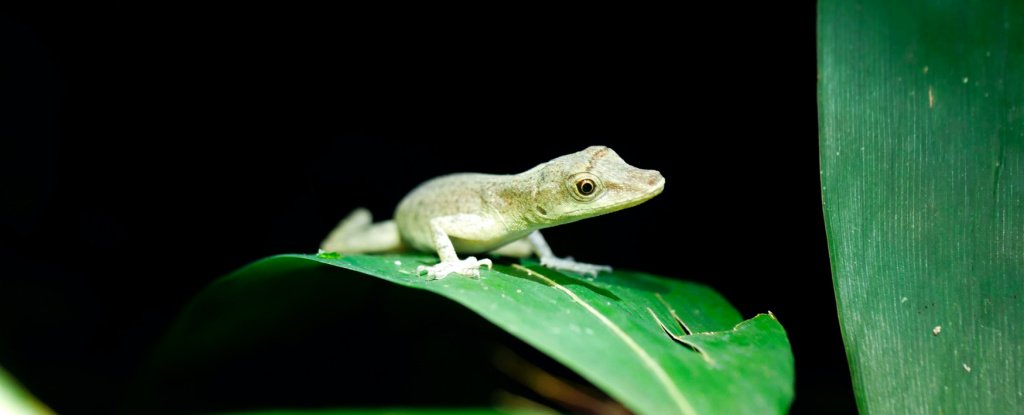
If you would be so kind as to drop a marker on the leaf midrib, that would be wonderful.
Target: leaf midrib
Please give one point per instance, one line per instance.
(659, 372)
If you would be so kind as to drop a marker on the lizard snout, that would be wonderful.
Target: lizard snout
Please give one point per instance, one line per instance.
(655, 181)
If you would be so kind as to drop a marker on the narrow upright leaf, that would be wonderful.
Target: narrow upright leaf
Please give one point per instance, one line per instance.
(922, 157)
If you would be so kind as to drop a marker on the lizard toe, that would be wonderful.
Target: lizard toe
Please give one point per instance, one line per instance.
(469, 267)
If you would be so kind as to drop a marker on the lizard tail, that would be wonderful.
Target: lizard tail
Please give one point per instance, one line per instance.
(358, 234)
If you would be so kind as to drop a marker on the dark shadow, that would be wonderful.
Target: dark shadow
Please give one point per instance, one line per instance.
(299, 334)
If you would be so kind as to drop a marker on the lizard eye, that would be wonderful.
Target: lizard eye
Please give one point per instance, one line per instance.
(586, 187)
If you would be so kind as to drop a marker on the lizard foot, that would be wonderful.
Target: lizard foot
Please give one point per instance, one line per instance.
(469, 267)
(569, 264)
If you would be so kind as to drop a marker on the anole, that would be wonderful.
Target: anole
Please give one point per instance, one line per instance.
(471, 213)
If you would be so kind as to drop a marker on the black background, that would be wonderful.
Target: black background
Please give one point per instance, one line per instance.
(147, 152)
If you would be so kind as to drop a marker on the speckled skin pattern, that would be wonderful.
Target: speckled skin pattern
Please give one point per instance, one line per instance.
(482, 212)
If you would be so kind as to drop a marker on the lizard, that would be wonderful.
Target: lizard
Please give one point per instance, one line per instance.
(472, 213)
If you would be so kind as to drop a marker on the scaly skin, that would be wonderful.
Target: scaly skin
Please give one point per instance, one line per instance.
(472, 213)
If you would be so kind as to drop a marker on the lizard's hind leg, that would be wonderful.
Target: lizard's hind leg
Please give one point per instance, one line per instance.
(358, 234)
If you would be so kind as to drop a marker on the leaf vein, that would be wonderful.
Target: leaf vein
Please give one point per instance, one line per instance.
(659, 372)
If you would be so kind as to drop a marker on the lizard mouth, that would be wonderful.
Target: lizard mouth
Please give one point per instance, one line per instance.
(656, 189)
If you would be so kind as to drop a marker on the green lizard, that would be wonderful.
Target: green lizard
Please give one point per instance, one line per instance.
(472, 213)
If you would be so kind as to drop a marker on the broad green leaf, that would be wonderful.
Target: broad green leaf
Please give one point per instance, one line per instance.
(607, 329)
(922, 157)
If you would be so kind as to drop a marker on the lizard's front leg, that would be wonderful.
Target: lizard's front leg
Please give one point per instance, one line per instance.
(548, 258)
(450, 263)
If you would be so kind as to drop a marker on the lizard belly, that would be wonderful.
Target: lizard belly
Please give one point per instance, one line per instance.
(457, 203)
(472, 236)
(468, 246)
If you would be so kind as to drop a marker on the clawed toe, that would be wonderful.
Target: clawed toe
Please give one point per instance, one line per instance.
(469, 267)
(568, 264)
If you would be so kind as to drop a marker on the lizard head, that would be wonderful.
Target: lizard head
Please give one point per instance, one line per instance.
(589, 183)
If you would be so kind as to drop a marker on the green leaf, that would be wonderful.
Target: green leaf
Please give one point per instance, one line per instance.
(922, 157)
(446, 411)
(606, 329)
(17, 401)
